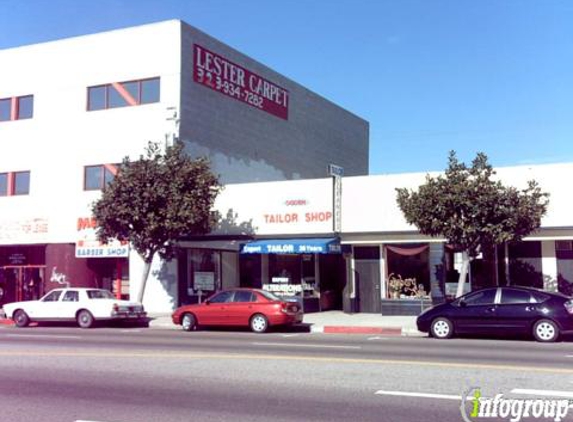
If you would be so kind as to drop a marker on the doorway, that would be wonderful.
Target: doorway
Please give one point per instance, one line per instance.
(21, 282)
(367, 278)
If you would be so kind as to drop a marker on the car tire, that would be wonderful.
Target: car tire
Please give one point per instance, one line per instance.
(442, 328)
(189, 322)
(259, 323)
(85, 319)
(21, 318)
(545, 331)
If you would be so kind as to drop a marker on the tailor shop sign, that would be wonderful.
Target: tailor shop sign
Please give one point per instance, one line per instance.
(87, 245)
(295, 216)
(222, 75)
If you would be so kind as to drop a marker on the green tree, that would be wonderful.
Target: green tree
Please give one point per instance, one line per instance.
(155, 200)
(472, 211)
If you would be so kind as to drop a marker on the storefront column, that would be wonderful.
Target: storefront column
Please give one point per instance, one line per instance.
(549, 265)
(265, 279)
(383, 272)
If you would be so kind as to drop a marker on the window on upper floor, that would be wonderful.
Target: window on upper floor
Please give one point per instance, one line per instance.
(16, 108)
(123, 94)
(98, 176)
(15, 183)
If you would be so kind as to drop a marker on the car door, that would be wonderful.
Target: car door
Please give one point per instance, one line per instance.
(241, 309)
(215, 310)
(516, 311)
(476, 312)
(46, 307)
(68, 304)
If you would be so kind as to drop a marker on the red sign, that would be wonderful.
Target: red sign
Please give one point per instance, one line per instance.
(220, 74)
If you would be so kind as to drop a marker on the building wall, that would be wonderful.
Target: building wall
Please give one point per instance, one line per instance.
(248, 144)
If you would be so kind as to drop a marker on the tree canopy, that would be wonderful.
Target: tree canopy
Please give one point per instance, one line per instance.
(155, 200)
(470, 209)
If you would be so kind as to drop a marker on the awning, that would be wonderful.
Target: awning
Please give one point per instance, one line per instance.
(293, 246)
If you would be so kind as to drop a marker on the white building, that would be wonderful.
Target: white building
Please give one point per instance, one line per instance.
(71, 109)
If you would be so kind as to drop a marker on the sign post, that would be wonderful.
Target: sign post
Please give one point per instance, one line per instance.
(336, 172)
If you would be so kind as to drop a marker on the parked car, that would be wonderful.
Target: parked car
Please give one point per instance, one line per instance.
(253, 308)
(501, 310)
(83, 305)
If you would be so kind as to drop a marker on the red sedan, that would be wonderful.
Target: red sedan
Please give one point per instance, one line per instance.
(254, 308)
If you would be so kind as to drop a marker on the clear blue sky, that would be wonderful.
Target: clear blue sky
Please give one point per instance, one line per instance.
(430, 76)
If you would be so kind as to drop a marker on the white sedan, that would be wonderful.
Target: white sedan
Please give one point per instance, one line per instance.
(83, 305)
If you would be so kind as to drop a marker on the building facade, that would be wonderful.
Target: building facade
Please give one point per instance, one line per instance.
(284, 239)
(72, 109)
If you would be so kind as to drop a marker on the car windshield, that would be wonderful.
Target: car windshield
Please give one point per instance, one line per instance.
(100, 294)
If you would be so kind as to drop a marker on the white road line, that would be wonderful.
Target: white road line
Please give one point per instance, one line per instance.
(316, 346)
(41, 336)
(569, 356)
(289, 335)
(418, 395)
(378, 338)
(550, 393)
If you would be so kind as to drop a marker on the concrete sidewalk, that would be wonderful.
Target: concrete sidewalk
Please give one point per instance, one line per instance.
(328, 322)
(335, 322)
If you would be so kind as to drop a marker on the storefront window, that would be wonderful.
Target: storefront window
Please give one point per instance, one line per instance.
(292, 275)
(204, 266)
(408, 269)
(525, 264)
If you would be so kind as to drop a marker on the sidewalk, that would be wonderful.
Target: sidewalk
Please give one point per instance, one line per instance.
(335, 322)
(329, 322)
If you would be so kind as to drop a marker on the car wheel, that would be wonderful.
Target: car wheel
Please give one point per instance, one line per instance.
(546, 331)
(85, 319)
(189, 322)
(21, 318)
(442, 328)
(259, 323)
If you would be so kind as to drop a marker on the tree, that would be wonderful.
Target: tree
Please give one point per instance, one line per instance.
(472, 211)
(155, 200)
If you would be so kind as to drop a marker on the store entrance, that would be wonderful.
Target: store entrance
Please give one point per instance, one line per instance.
(21, 282)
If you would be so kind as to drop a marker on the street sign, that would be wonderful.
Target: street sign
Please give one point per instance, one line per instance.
(334, 170)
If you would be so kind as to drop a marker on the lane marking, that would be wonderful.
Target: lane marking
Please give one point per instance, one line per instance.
(41, 336)
(315, 346)
(378, 338)
(245, 356)
(418, 395)
(551, 393)
(289, 335)
(569, 356)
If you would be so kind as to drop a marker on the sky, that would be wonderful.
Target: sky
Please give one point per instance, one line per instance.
(430, 76)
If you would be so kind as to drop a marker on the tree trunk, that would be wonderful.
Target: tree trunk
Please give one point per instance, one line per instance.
(463, 273)
(144, 276)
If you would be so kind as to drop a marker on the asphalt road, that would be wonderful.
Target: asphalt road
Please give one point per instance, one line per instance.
(67, 374)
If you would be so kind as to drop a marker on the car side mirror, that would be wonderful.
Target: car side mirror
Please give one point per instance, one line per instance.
(207, 302)
(463, 304)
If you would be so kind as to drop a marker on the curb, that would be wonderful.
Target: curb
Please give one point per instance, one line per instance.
(388, 331)
(4, 321)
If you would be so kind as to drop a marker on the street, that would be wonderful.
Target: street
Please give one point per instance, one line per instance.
(62, 373)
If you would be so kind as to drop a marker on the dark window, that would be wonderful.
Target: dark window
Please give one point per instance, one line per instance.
(123, 94)
(71, 296)
(484, 297)
(243, 296)
(52, 296)
(3, 184)
(509, 296)
(5, 109)
(222, 297)
(367, 252)
(97, 98)
(97, 177)
(22, 183)
(150, 91)
(25, 107)
(115, 98)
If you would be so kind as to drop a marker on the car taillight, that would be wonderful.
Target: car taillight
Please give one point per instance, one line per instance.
(569, 306)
